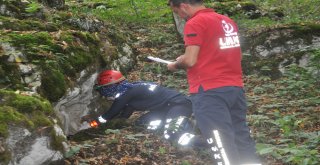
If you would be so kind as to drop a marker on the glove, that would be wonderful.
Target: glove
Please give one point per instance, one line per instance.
(94, 124)
(97, 122)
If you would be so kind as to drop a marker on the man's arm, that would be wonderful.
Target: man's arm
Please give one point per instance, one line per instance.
(118, 105)
(187, 60)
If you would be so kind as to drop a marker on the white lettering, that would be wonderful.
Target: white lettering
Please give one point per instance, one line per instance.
(220, 146)
(210, 141)
(217, 156)
(229, 42)
(215, 149)
(236, 40)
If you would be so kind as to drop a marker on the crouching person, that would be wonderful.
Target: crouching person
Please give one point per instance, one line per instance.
(167, 109)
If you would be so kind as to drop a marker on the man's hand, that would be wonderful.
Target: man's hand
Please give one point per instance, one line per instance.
(94, 123)
(172, 66)
(187, 60)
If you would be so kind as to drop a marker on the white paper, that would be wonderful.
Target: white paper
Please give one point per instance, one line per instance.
(159, 60)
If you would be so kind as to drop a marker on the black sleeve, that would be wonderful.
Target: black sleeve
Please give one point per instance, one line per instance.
(118, 105)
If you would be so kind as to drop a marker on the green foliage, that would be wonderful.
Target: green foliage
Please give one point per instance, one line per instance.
(295, 10)
(33, 7)
(76, 149)
(185, 162)
(111, 131)
(72, 151)
(162, 150)
(291, 153)
(127, 11)
(287, 114)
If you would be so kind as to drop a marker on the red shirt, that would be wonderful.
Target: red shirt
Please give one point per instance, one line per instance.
(219, 59)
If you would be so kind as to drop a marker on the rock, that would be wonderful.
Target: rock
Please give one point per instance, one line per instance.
(28, 148)
(13, 54)
(56, 4)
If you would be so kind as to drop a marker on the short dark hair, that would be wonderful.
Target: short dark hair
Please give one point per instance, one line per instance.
(176, 3)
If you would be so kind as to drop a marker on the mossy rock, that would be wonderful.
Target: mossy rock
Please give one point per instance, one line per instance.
(68, 53)
(26, 25)
(10, 115)
(53, 84)
(22, 9)
(31, 111)
(35, 45)
(24, 103)
(233, 8)
(5, 156)
(116, 36)
(81, 50)
(305, 30)
(56, 140)
(9, 75)
(15, 8)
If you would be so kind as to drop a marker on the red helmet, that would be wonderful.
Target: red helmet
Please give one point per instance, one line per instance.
(109, 77)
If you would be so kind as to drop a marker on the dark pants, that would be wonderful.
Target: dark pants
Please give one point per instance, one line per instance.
(176, 107)
(221, 117)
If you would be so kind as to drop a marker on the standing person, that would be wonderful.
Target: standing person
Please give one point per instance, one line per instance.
(212, 59)
(167, 107)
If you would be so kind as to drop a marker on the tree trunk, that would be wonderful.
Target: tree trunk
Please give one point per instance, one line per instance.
(179, 24)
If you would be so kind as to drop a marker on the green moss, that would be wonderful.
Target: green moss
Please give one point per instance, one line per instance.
(53, 85)
(14, 7)
(11, 115)
(26, 104)
(32, 111)
(231, 8)
(10, 75)
(56, 141)
(59, 17)
(31, 39)
(5, 157)
(80, 59)
(81, 50)
(117, 37)
(40, 119)
(67, 37)
(67, 68)
(305, 30)
(35, 45)
(26, 24)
